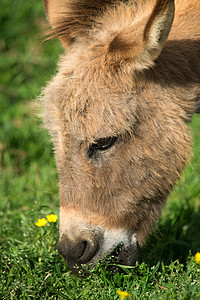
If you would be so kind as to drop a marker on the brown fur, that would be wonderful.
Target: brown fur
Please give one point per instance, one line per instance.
(118, 78)
(70, 19)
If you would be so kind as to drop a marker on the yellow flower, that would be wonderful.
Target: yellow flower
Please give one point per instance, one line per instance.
(41, 222)
(123, 295)
(197, 257)
(52, 218)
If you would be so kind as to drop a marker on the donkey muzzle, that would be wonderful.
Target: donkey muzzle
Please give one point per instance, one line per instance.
(81, 244)
(79, 251)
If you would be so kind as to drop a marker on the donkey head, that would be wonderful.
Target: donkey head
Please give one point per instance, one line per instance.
(119, 134)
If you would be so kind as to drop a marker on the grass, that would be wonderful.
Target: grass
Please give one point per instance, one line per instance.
(30, 267)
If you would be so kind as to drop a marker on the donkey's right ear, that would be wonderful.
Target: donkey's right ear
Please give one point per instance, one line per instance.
(71, 19)
(55, 11)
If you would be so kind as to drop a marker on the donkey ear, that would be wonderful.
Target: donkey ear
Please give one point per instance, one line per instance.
(55, 10)
(71, 19)
(158, 26)
(142, 41)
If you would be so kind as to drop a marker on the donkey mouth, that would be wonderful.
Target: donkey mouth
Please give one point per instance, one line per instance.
(115, 247)
(121, 255)
(124, 255)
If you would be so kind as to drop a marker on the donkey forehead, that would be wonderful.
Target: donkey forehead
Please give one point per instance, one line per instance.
(95, 106)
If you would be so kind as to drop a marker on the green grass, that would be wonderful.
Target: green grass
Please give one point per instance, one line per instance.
(30, 267)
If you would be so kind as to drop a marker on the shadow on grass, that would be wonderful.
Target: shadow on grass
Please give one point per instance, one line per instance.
(174, 238)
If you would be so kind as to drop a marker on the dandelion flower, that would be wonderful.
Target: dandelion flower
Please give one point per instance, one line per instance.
(41, 222)
(197, 257)
(123, 295)
(52, 218)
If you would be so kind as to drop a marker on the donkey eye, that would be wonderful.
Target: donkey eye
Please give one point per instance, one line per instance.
(101, 145)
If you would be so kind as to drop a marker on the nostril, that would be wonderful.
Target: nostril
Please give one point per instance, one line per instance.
(80, 252)
(82, 249)
(89, 249)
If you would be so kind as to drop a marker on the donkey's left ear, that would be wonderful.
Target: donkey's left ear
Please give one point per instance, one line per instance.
(142, 41)
(158, 26)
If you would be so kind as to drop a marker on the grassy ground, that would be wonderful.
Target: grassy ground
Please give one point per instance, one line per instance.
(30, 267)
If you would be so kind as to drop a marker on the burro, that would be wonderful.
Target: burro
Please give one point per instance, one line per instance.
(117, 111)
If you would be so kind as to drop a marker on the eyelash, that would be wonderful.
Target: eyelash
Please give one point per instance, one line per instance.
(101, 145)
